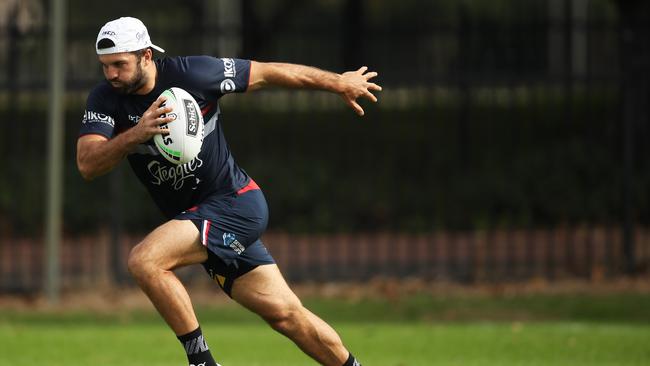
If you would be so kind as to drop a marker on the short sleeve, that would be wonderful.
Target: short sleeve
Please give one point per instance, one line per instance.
(98, 117)
(220, 75)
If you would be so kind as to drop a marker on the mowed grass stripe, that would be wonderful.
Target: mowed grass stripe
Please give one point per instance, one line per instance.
(376, 344)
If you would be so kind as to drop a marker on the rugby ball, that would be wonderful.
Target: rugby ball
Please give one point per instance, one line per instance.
(185, 137)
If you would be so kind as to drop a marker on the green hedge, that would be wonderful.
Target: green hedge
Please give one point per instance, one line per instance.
(457, 165)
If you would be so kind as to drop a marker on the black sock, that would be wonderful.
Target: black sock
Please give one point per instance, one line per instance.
(351, 361)
(196, 349)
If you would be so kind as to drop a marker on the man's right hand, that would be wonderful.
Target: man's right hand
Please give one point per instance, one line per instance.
(97, 155)
(149, 124)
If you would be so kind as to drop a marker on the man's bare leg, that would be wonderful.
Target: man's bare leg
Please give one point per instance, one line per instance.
(172, 245)
(265, 292)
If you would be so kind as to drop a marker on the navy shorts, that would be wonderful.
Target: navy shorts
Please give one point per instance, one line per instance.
(230, 228)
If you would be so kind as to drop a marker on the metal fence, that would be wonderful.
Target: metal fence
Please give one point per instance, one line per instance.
(481, 256)
(460, 67)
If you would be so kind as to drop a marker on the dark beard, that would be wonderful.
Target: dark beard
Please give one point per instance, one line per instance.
(137, 81)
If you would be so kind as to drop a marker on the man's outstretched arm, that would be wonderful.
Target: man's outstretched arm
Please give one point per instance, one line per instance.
(349, 85)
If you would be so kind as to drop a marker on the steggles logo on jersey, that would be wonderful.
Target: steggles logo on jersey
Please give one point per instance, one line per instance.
(175, 175)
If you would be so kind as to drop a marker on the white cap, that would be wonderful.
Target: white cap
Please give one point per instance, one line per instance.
(128, 34)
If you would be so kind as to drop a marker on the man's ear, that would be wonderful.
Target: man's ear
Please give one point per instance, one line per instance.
(147, 57)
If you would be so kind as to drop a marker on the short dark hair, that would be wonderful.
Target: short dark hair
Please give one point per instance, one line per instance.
(139, 53)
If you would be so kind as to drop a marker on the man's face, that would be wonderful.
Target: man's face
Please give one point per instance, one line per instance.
(123, 71)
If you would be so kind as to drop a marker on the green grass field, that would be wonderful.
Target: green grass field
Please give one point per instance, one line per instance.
(419, 330)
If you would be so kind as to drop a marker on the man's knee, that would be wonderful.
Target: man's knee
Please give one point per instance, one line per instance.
(139, 263)
(285, 315)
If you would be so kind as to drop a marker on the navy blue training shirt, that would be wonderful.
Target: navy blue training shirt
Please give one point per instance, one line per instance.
(176, 188)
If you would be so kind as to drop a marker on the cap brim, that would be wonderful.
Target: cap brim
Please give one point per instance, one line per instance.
(157, 48)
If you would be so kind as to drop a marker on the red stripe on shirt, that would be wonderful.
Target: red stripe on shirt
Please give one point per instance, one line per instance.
(249, 187)
(207, 109)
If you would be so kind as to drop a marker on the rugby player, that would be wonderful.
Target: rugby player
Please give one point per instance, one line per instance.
(216, 212)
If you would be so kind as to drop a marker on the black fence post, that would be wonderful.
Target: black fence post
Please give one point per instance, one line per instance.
(352, 34)
(116, 225)
(628, 166)
(634, 92)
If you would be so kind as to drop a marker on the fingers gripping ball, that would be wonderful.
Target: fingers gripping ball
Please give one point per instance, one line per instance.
(185, 137)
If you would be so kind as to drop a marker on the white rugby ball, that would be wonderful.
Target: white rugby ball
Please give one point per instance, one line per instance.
(185, 137)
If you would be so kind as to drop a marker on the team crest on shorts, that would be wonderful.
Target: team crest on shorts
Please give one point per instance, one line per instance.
(229, 240)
